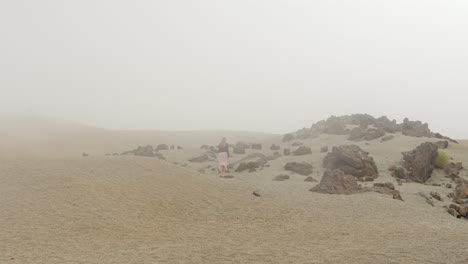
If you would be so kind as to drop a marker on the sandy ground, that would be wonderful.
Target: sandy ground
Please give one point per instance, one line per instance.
(141, 210)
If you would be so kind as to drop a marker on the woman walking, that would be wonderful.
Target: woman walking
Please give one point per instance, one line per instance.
(223, 155)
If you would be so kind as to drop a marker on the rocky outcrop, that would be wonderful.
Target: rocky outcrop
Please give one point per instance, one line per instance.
(452, 170)
(337, 182)
(352, 160)
(415, 129)
(419, 162)
(299, 168)
(302, 150)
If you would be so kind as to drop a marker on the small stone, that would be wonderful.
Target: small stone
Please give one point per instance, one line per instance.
(281, 178)
(256, 193)
(397, 196)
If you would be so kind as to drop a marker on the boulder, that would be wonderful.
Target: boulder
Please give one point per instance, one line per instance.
(84, 154)
(419, 162)
(286, 151)
(452, 170)
(299, 168)
(324, 149)
(262, 161)
(352, 160)
(337, 182)
(281, 178)
(387, 185)
(275, 147)
(302, 150)
(162, 147)
(399, 173)
(310, 179)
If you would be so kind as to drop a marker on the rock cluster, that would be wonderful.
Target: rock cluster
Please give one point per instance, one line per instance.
(352, 160)
(364, 127)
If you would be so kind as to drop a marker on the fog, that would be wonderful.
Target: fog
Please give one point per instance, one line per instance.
(271, 66)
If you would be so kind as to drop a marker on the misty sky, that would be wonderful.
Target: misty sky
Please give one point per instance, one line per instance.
(272, 66)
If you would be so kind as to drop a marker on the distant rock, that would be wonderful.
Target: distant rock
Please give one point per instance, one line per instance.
(365, 133)
(299, 168)
(85, 154)
(162, 147)
(324, 149)
(302, 150)
(281, 178)
(351, 160)
(452, 170)
(203, 158)
(286, 151)
(275, 147)
(442, 144)
(146, 151)
(179, 148)
(288, 137)
(419, 162)
(172, 147)
(297, 144)
(337, 182)
(461, 191)
(257, 146)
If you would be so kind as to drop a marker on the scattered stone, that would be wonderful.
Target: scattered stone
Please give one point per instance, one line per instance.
(256, 193)
(302, 150)
(461, 191)
(419, 162)
(297, 144)
(310, 179)
(281, 178)
(275, 147)
(85, 154)
(179, 148)
(452, 170)
(388, 185)
(300, 168)
(397, 196)
(399, 173)
(288, 137)
(448, 185)
(324, 149)
(436, 196)
(454, 212)
(428, 199)
(337, 182)
(351, 160)
(387, 138)
(286, 151)
(415, 129)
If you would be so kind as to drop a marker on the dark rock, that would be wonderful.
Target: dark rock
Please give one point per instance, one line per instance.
(452, 170)
(436, 196)
(448, 185)
(85, 154)
(363, 133)
(397, 196)
(179, 148)
(454, 213)
(324, 149)
(281, 178)
(204, 147)
(302, 150)
(337, 182)
(299, 168)
(388, 185)
(351, 160)
(256, 193)
(419, 162)
(399, 173)
(286, 152)
(415, 129)
(461, 191)
(297, 144)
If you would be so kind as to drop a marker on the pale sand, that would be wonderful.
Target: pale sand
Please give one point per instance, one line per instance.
(142, 210)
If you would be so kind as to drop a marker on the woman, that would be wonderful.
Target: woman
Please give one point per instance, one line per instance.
(223, 155)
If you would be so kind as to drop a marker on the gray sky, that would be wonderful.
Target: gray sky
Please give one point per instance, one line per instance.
(272, 66)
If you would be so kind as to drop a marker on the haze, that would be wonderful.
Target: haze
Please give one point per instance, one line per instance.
(272, 66)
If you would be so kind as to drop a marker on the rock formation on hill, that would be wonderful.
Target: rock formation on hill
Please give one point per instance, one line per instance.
(364, 127)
